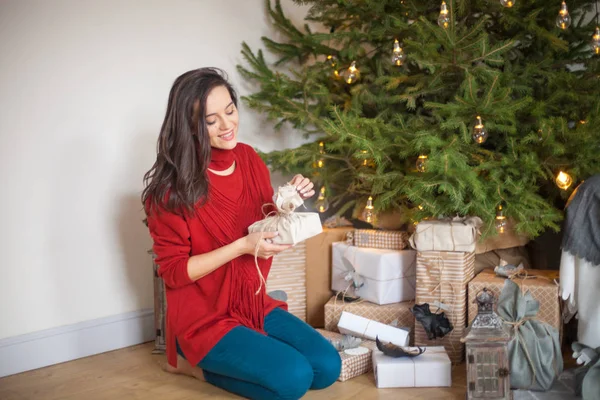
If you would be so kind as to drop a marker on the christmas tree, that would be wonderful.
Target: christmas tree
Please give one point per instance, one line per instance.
(484, 108)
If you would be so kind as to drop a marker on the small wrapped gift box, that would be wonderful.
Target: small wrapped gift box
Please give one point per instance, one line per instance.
(542, 284)
(293, 227)
(430, 369)
(376, 239)
(376, 275)
(459, 234)
(398, 313)
(356, 361)
(366, 328)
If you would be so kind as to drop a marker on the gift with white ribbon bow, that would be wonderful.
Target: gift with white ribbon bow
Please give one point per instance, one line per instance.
(292, 227)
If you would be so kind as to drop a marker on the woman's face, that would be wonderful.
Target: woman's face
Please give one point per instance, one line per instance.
(221, 119)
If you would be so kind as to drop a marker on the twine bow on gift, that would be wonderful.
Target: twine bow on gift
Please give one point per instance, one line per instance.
(516, 326)
(286, 201)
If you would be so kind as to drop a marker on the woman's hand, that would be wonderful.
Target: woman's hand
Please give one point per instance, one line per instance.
(266, 249)
(304, 186)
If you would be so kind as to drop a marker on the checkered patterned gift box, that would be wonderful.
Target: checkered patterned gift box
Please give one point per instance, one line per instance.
(353, 365)
(442, 276)
(391, 240)
(386, 314)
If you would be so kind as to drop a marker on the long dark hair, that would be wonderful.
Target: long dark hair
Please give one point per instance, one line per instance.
(183, 148)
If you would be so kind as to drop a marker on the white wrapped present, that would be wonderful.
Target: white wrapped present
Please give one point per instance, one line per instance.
(293, 227)
(365, 328)
(430, 369)
(376, 275)
(457, 234)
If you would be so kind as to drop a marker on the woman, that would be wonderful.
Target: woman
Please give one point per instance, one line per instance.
(201, 195)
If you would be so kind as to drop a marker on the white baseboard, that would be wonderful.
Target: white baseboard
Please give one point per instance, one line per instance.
(66, 343)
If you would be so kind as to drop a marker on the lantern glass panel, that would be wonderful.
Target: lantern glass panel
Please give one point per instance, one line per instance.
(486, 340)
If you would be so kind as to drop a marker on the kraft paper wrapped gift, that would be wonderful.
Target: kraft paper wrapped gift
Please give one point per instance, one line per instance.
(542, 284)
(379, 239)
(386, 314)
(318, 273)
(430, 369)
(442, 279)
(376, 275)
(293, 227)
(354, 362)
(458, 234)
(368, 329)
(288, 273)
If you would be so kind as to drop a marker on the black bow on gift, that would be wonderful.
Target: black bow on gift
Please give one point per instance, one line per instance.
(392, 350)
(436, 325)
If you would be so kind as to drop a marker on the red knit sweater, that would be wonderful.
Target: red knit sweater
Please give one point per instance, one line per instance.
(200, 313)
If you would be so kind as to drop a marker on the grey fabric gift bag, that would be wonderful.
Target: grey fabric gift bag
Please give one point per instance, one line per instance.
(534, 351)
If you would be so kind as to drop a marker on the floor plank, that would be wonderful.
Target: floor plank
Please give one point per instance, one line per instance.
(135, 373)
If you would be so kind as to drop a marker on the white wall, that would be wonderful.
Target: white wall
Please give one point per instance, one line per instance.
(83, 88)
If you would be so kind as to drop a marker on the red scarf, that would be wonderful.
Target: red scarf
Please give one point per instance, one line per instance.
(221, 159)
(228, 220)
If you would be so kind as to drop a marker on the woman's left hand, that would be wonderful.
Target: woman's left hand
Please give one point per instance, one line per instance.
(304, 186)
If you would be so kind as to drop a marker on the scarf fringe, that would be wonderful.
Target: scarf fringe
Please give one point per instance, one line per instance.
(245, 304)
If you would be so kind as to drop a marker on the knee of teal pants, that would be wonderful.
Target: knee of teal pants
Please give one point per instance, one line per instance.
(283, 366)
(322, 356)
(288, 378)
(327, 366)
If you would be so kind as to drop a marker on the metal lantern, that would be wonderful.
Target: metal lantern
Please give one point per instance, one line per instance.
(488, 375)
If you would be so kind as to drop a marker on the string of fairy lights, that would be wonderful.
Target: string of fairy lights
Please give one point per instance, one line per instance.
(351, 75)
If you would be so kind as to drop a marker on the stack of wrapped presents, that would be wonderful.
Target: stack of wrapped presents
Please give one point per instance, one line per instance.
(400, 305)
(417, 293)
(374, 278)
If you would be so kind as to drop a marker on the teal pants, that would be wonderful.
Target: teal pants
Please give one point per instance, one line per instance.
(284, 365)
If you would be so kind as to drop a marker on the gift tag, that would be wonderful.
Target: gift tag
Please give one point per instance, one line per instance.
(357, 351)
(441, 306)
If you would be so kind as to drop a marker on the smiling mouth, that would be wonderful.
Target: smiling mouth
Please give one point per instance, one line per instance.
(227, 136)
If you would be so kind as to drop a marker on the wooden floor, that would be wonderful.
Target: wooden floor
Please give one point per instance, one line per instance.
(135, 373)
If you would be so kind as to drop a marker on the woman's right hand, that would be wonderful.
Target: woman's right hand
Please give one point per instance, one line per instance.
(266, 249)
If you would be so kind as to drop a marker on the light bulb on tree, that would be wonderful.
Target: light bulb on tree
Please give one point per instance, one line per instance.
(563, 180)
(321, 162)
(444, 18)
(332, 61)
(507, 3)
(367, 162)
(368, 214)
(563, 21)
(422, 163)
(322, 204)
(501, 222)
(596, 41)
(352, 74)
(398, 54)
(480, 135)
